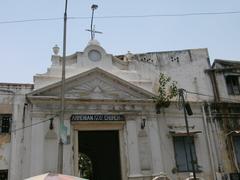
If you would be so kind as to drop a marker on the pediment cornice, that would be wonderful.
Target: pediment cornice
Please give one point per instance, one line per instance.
(94, 84)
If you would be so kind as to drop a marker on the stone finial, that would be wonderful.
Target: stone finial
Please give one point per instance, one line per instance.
(56, 50)
(128, 56)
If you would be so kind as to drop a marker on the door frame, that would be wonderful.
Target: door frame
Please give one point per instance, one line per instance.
(100, 126)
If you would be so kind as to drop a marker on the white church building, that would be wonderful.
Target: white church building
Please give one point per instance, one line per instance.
(109, 117)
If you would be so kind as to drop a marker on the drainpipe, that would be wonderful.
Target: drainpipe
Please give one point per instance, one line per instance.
(210, 151)
(215, 86)
(216, 147)
(212, 76)
(216, 129)
(234, 155)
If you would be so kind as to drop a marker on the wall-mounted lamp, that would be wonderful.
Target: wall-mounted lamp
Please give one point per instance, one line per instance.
(143, 123)
(51, 124)
(188, 108)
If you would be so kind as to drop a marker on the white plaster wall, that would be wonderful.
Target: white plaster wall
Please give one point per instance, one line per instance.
(27, 143)
(133, 154)
(156, 146)
(160, 143)
(186, 67)
(17, 139)
(37, 147)
(172, 117)
(43, 142)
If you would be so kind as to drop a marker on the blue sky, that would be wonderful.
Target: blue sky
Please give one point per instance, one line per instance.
(26, 48)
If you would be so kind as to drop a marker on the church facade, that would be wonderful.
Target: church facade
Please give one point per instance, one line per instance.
(110, 121)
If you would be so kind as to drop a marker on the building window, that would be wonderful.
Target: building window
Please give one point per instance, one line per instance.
(5, 123)
(182, 153)
(236, 141)
(234, 117)
(234, 176)
(3, 174)
(233, 85)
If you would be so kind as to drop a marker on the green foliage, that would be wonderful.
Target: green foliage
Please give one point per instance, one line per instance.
(166, 91)
(85, 166)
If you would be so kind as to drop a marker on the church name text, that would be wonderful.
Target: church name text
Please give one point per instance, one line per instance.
(96, 117)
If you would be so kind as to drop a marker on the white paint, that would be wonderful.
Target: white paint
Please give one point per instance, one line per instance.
(110, 86)
(133, 154)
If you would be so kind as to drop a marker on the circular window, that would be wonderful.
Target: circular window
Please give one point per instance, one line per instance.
(94, 55)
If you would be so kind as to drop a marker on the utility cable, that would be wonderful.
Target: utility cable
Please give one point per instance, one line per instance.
(124, 16)
(34, 124)
(222, 115)
(207, 95)
(29, 20)
(219, 115)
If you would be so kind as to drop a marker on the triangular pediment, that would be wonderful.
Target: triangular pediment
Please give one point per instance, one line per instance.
(95, 84)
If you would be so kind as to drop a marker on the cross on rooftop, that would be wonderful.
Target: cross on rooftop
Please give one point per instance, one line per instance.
(93, 32)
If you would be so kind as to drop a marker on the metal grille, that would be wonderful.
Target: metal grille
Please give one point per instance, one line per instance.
(3, 174)
(5, 123)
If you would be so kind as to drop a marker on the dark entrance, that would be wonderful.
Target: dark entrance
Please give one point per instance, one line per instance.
(102, 148)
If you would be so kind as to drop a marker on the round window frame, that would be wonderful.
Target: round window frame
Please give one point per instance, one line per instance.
(94, 55)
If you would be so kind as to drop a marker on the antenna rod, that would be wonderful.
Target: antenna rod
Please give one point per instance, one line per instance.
(93, 7)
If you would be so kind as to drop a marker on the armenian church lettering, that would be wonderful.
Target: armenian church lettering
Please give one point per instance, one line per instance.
(96, 117)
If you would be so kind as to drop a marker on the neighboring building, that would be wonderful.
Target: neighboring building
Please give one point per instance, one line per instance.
(12, 110)
(224, 116)
(110, 117)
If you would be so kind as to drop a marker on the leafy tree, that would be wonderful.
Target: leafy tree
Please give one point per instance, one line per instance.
(166, 91)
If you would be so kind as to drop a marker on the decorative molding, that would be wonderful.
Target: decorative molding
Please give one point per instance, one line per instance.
(101, 89)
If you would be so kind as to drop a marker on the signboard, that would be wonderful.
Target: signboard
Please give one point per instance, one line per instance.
(97, 117)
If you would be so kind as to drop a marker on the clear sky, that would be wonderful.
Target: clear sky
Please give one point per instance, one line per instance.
(26, 48)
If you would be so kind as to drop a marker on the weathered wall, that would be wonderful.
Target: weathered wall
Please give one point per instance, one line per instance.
(148, 151)
(12, 101)
(185, 66)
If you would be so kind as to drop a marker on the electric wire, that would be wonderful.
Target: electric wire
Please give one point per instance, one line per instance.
(124, 16)
(29, 20)
(149, 116)
(216, 115)
(31, 125)
(196, 115)
(190, 92)
(207, 95)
